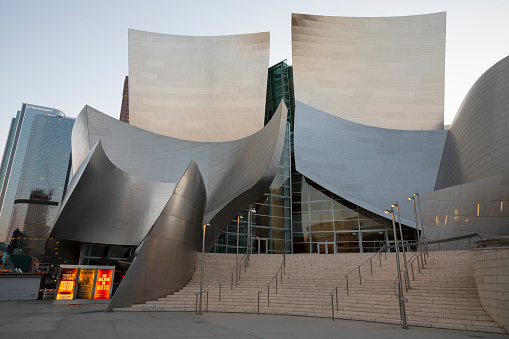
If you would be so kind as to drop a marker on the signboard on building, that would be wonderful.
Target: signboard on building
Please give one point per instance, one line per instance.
(84, 284)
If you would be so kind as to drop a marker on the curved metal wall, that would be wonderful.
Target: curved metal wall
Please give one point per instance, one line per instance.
(123, 184)
(228, 168)
(167, 257)
(386, 72)
(472, 188)
(209, 88)
(105, 205)
(477, 145)
(368, 166)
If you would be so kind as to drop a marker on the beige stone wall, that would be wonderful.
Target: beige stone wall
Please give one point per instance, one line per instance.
(200, 88)
(491, 267)
(385, 72)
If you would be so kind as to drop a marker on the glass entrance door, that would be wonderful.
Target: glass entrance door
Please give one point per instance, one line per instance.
(325, 247)
(261, 245)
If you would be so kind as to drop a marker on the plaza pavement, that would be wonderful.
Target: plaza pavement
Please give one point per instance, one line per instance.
(41, 319)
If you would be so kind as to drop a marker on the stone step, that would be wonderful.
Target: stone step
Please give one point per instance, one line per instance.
(443, 294)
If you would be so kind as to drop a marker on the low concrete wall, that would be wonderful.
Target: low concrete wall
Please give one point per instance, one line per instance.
(491, 267)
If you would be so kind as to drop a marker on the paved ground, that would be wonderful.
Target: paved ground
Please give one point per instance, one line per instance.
(40, 319)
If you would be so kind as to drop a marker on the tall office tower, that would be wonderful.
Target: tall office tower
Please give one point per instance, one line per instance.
(14, 156)
(5, 166)
(124, 110)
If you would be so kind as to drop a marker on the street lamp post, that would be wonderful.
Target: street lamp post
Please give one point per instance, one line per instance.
(422, 225)
(417, 228)
(202, 261)
(400, 285)
(407, 280)
(237, 254)
(249, 231)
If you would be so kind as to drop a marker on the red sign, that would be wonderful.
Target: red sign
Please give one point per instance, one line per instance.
(66, 285)
(103, 283)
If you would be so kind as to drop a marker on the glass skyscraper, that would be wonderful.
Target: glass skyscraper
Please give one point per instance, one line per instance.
(37, 169)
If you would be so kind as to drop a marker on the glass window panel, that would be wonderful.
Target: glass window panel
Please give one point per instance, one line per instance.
(344, 225)
(98, 251)
(120, 252)
(324, 226)
(323, 237)
(321, 215)
(321, 205)
(345, 214)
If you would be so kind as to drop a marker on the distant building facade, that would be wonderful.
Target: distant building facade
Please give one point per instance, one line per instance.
(37, 179)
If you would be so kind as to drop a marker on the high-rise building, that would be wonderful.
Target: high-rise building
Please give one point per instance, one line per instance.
(36, 179)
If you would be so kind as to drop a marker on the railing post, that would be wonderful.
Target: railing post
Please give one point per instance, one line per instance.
(380, 258)
(258, 303)
(276, 284)
(371, 264)
(469, 244)
(196, 306)
(419, 266)
(347, 293)
(281, 277)
(412, 265)
(268, 295)
(337, 304)
(207, 308)
(360, 279)
(219, 292)
(332, 300)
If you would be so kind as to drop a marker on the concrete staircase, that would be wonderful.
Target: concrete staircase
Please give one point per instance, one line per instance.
(443, 295)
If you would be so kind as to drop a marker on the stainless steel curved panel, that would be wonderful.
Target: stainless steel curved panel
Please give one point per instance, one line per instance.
(167, 257)
(106, 205)
(110, 204)
(480, 206)
(386, 72)
(201, 88)
(477, 146)
(369, 166)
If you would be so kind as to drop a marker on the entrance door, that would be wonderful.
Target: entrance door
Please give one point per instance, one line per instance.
(261, 245)
(325, 247)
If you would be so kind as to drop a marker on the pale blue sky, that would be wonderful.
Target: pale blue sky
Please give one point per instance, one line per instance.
(66, 54)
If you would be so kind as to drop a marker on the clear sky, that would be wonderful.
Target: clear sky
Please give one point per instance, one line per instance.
(66, 54)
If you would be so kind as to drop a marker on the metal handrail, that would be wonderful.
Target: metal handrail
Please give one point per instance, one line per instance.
(237, 269)
(499, 241)
(356, 268)
(422, 250)
(281, 269)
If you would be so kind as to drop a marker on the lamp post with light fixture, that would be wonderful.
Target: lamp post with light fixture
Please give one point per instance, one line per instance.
(251, 209)
(202, 261)
(401, 297)
(418, 231)
(407, 280)
(422, 225)
(237, 254)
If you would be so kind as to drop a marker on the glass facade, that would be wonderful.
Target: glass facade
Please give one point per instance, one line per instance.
(5, 168)
(41, 185)
(271, 224)
(16, 159)
(316, 220)
(325, 223)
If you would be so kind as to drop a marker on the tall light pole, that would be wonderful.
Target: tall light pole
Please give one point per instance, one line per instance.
(202, 260)
(237, 254)
(420, 220)
(417, 228)
(249, 231)
(402, 311)
(407, 280)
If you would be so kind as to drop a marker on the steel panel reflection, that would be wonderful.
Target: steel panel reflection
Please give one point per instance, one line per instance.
(368, 166)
